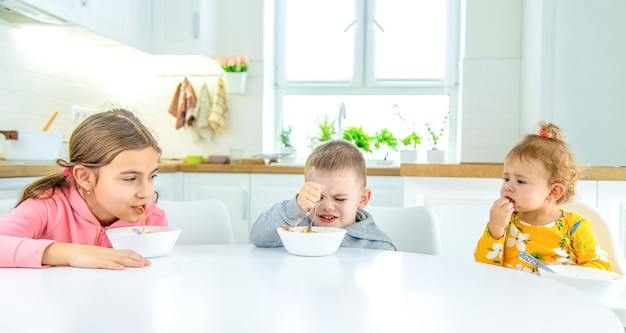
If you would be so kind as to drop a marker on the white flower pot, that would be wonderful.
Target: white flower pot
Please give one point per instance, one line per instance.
(236, 82)
(408, 156)
(436, 156)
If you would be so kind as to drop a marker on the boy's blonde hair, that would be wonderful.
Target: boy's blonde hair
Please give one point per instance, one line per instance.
(550, 149)
(337, 155)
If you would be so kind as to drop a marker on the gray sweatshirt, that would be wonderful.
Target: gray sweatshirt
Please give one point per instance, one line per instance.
(362, 234)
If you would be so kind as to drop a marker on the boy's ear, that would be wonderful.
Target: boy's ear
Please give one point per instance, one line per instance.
(366, 195)
(557, 191)
(84, 177)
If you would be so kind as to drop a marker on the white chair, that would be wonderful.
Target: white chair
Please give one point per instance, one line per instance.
(412, 229)
(202, 221)
(607, 239)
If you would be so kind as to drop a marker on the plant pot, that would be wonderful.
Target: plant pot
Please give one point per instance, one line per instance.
(408, 156)
(236, 82)
(436, 156)
(288, 150)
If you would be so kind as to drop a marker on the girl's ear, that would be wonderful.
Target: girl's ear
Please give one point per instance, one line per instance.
(366, 195)
(84, 177)
(556, 192)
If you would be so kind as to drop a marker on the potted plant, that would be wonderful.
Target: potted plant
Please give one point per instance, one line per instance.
(236, 69)
(434, 155)
(410, 141)
(357, 136)
(285, 140)
(327, 128)
(384, 138)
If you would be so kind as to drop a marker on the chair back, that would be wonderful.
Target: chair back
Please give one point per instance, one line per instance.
(607, 239)
(201, 221)
(412, 229)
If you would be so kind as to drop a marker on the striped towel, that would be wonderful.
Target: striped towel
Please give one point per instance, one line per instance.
(201, 128)
(217, 117)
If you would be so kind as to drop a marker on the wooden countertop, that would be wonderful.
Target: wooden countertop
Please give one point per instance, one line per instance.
(466, 170)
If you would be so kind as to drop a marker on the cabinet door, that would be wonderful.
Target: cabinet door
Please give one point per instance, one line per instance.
(11, 190)
(184, 27)
(66, 9)
(612, 203)
(269, 189)
(387, 191)
(230, 188)
(170, 186)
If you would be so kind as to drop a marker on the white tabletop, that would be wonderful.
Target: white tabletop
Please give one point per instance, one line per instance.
(222, 288)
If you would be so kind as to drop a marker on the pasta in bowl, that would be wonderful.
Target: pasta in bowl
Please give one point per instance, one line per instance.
(322, 241)
(154, 241)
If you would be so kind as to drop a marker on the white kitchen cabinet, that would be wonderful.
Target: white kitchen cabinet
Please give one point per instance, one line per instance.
(170, 186)
(184, 27)
(126, 21)
(230, 188)
(612, 203)
(11, 190)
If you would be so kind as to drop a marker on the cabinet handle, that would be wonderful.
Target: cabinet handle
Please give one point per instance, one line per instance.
(195, 25)
(244, 205)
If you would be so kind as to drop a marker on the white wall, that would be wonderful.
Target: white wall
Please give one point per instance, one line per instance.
(511, 78)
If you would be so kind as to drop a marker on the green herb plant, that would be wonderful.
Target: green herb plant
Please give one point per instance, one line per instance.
(285, 137)
(385, 138)
(327, 129)
(434, 135)
(358, 136)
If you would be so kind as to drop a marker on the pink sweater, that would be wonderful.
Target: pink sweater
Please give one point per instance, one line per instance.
(36, 223)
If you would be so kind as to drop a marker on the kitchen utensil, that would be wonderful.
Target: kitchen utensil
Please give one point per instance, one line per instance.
(54, 115)
(137, 231)
(526, 257)
(310, 227)
(32, 146)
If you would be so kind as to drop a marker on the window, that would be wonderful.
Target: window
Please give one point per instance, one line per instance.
(392, 63)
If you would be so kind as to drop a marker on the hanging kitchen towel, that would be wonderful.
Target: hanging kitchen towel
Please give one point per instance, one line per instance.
(183, 102)
(200, 116)
(217, 118)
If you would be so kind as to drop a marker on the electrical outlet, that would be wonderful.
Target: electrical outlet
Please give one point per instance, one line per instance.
(79, 113)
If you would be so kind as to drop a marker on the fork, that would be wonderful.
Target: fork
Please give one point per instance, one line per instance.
(309, 228)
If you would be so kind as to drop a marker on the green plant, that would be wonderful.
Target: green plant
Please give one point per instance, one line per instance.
(285, 137)
(412, 140)
(359, 138)
(385, 138)
(327, 129)
(435, 136)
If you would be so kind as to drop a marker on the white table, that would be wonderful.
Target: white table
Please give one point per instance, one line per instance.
(223, 288)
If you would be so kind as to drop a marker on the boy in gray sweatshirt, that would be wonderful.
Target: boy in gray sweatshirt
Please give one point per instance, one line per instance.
(340, 195)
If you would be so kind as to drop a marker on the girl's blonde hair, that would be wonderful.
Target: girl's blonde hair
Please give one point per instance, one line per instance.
(94, 143)
(549, 147)
(337, 155)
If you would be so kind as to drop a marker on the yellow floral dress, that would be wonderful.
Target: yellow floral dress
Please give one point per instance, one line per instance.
(566, 241)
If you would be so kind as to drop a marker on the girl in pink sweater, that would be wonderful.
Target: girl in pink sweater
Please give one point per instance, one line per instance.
(108, 180)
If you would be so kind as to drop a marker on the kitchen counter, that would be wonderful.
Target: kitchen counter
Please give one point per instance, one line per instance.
(466, 170)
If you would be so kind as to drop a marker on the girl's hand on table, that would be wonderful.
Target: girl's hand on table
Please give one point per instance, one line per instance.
(88, 256)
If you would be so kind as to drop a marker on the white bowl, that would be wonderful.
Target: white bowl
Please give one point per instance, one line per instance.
(322, 241)
(604, 285)
(156, 241)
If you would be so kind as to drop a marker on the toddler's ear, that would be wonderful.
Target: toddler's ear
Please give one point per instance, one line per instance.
(366, 195)
(557, 191)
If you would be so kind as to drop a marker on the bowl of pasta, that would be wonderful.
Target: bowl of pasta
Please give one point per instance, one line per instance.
(322, 241)
(602, 284)
(152, 241)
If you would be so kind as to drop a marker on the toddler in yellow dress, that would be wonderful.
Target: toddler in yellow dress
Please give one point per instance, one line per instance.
(539, 175)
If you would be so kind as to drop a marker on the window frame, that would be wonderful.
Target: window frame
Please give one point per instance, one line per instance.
(363, 82)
